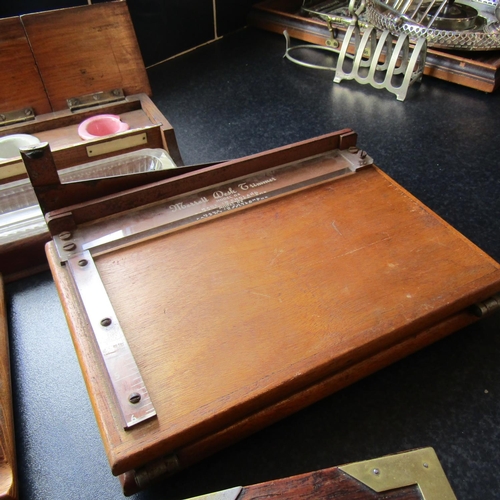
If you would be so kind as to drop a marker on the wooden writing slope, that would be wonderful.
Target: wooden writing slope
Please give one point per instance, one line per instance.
(208, 306)
(61, 67)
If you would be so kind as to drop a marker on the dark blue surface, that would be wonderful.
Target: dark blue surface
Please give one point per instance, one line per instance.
(239, 96)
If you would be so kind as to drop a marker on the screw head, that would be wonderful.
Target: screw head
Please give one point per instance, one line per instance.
(426, 465)
(376, 471)
(65, 235)
(83, 262)
(134, 398)
(106, 321)
(69, 247)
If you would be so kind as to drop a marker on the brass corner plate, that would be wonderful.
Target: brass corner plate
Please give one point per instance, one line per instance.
(418, 467)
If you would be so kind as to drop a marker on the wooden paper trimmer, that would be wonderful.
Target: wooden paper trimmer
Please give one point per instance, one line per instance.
(230, 297)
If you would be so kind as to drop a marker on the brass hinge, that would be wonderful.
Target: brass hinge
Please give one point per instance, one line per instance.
(18, 116)
(95, 99)
(487, 306)
(165, 466)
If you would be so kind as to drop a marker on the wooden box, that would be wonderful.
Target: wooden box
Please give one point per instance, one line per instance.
(478, 70)
(205, 307)
(59, 68)
(8, 469)
(411, 475)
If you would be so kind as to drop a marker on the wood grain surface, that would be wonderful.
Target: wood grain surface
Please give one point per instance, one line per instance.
(324, 484)
(8, 486)
(20, 83)
(240, 316)
(102, 54)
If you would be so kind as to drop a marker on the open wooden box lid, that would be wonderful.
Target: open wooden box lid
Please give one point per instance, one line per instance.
(20, 81)
(60, 68)
(206, 307)
(77, 51)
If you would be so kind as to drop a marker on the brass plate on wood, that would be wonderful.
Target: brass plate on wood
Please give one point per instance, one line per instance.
(420, 467)
(393, 476)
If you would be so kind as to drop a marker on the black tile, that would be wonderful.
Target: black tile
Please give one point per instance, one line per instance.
(8, 9)
(165, 28)
(231, 14)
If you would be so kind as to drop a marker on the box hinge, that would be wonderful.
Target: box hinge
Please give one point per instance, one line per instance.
(165, 466)
(18, 116)
(487, 306)
(95, 99)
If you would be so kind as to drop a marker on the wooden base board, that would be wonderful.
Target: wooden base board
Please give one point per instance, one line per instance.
(478, 70)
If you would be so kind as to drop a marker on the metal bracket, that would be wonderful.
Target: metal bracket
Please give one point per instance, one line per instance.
(95, 99)
(419, 467)
(131, 393)
(18, 116)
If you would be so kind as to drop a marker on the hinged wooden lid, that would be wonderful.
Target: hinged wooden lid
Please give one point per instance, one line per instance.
(20, 82)
(78, 51)
(86, 49)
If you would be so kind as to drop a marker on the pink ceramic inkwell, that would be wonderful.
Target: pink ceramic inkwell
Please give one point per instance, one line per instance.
(100, 126)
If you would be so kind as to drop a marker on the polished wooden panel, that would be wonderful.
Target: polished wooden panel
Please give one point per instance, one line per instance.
(20, 82)
(101, 54)
(245, 318)
(323, 484)
(8, 486)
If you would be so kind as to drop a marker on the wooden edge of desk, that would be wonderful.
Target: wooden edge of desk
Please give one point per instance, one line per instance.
(8, 473)
(203, 448)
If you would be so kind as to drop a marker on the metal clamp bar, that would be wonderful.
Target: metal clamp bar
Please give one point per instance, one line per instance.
(131, 394)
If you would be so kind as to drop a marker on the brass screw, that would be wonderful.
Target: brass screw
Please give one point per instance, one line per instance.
(134, 398)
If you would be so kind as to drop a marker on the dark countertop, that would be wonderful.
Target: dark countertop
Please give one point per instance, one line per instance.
(238, 96)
